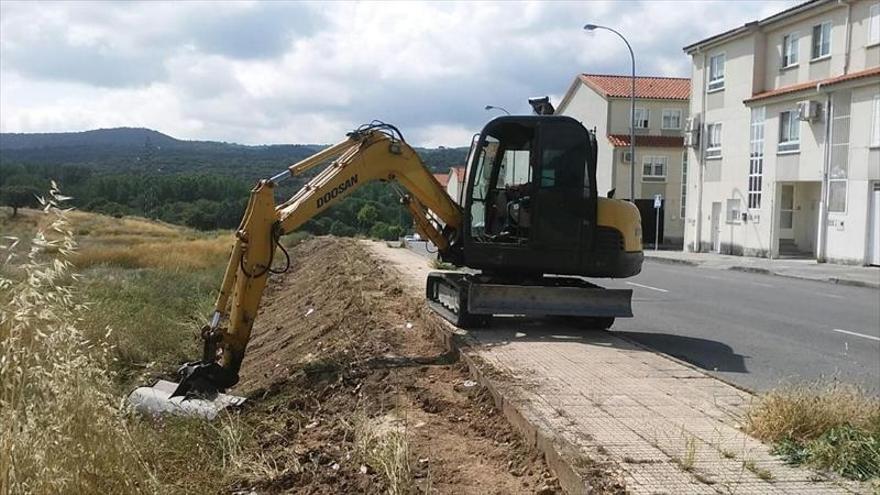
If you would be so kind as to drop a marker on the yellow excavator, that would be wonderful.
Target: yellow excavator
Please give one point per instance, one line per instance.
(529, 227)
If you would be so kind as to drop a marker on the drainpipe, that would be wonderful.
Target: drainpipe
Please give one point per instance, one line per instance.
(822, 238)
(848, 36)
(698, 219)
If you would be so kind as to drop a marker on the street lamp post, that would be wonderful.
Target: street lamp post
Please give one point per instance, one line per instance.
(632, 116)
(493, 107)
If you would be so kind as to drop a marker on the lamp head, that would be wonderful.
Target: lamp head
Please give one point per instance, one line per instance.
(590, 27)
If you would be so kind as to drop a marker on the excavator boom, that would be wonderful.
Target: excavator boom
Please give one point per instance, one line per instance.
(376, 152)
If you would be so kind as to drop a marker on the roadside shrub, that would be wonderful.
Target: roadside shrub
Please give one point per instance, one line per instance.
(61, 430)
(827, 426)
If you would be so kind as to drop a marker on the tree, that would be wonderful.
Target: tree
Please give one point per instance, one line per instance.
(367, 215)
(18, 197)
(379, 230)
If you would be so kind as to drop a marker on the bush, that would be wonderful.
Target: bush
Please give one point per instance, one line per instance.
(829, 426)
(340, 229)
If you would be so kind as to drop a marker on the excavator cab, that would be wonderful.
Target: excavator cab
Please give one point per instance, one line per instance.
(530, 204)
(533, 225)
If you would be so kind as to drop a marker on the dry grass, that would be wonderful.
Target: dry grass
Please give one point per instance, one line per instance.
(61, 430)
(805, 412)
(63, 375)
(174, 254)
(386, 451)
(130, 242)
(758, 471)
(828, 426)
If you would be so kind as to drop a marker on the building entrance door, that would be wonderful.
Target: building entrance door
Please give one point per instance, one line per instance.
(786, 212)
(874, 226)
(716, 227)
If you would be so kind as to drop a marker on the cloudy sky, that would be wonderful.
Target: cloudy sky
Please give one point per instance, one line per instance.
(273, 72)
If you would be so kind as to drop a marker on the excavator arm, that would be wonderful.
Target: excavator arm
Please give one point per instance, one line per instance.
(375, 152)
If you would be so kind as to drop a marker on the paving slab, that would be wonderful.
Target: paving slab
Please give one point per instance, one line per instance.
(591, 397)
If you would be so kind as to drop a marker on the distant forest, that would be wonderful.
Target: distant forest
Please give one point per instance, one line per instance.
(200, 184)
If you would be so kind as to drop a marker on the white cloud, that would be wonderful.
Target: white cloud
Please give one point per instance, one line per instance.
(258, 72)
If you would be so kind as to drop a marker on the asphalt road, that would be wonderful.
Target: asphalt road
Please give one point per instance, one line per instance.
(757, 331)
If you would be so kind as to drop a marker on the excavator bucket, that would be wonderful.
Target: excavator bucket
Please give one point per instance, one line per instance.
(159, 400)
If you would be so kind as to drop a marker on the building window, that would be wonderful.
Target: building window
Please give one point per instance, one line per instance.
(821, 40)
(841, 103)
(654, 168)
(734, 206)
(641, 118)
(684, 182)
(875, 123)
(789, 131)
(837, 196)
(789, 50)
(756, 158)
(716, 73)
(713, 140)
(671, 119)
(874, 25)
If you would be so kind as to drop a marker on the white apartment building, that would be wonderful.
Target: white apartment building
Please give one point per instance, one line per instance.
(784, 136)
(602, 102)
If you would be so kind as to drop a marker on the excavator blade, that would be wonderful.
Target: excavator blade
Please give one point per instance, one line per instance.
(547, 300)
(468, 301)
(160, 399)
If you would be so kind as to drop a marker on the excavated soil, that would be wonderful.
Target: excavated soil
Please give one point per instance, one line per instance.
(340, 348)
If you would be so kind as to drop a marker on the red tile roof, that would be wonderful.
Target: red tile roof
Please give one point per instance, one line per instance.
(794, 88)
(621, 140)
(443, 179)
(660, 88)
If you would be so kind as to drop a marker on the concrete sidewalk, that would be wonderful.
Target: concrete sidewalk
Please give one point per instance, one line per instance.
(861, 276)
(590, 400)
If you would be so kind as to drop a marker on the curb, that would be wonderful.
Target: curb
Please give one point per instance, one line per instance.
(766, 271)
(671, 261)
(854, 283)
(828, 280)
(560, 455)
(751, 269)
(557, 452)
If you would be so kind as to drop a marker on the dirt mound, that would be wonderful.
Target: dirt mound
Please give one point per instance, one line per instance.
(335, 305)
(354, 391)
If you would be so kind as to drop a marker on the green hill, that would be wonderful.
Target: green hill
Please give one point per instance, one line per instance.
(201, 184)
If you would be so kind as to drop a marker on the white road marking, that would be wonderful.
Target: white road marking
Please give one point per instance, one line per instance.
(647, 287)
(835, 296)
(871, 337)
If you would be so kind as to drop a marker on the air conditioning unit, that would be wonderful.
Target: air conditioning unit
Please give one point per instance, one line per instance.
(692, 132)
(809, 110)
(626, 156)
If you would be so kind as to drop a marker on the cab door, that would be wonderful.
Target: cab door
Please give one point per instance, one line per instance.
(564, 216)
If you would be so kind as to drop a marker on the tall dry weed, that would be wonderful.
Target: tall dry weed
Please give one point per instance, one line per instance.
(806, 411)
(61, 428)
